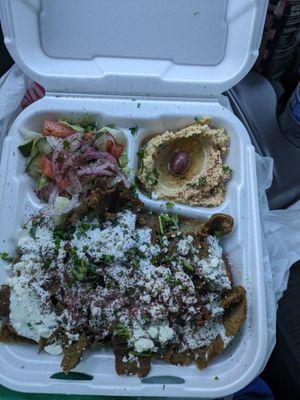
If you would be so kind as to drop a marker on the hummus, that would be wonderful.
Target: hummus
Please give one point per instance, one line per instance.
(186, 166)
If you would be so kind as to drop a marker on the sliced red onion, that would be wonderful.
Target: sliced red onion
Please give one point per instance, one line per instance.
(75, 184)
(95, 170)
(53, 195)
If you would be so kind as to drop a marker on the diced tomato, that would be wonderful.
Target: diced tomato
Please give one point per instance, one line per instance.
(63, 184)
(114, 149)
(109, 146)
(89, 135)
(53, 128)
(117, 151)
(45, 166)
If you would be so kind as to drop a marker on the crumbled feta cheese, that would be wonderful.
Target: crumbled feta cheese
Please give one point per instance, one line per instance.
(184, 245)
(29, 316)
(153, 332)
(142, 345)
(54, 349)
(165, 334)
(213, 267)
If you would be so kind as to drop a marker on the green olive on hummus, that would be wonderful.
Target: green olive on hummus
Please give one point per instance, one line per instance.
(186, 166)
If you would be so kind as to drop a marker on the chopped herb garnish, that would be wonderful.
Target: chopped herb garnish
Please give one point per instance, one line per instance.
(219, 234)
(6, 257)
(166, 259)
(196, 13)
(66, 145)
(57, 243)
(123, 160)
(172, 281)
(160, 224)
(88, 122)
(80, 272)
(109, 285)
(135, 262)
(130, 291)
(46, 264)
(170, 222)
(134, 130)
(154, 260)
(133, 253)
(146, 319)
(170, 204)
(32, 230)
(122, 331)
(106, 259)
(227, 169)
(62, 233)
(216, 378)
(198, 119)
(82, 228)
(188, 266)
(202, 181)
(139, 105)
(141, 153)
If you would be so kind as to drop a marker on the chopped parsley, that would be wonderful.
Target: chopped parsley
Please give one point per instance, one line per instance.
(123, 160)
(139, 105)
(57, 243)
(170, 222)
(6, 257)
(134, 130)
(227, 169)
(219, 234)
(172, 281)
(216, 378)
(82, 228)
(46, 264)
(141, 153)
(196, 13)
(66, 145)
(32, 230)
(106, 259)
(61, 233)
(133, 254)
(88, 122)
(80, 271)
(198, 119)
(188, 266)
(109, 285)
(160, 224)
(202, 181)
(170, 204)
(166, 259)
(122, 331)
(130, 291)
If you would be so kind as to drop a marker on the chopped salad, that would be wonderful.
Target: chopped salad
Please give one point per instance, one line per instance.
(67, 161)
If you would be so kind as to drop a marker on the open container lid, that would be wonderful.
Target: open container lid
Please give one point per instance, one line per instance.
(178, 48)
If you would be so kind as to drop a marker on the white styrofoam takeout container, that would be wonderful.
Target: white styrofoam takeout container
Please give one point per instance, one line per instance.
(156, 65)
